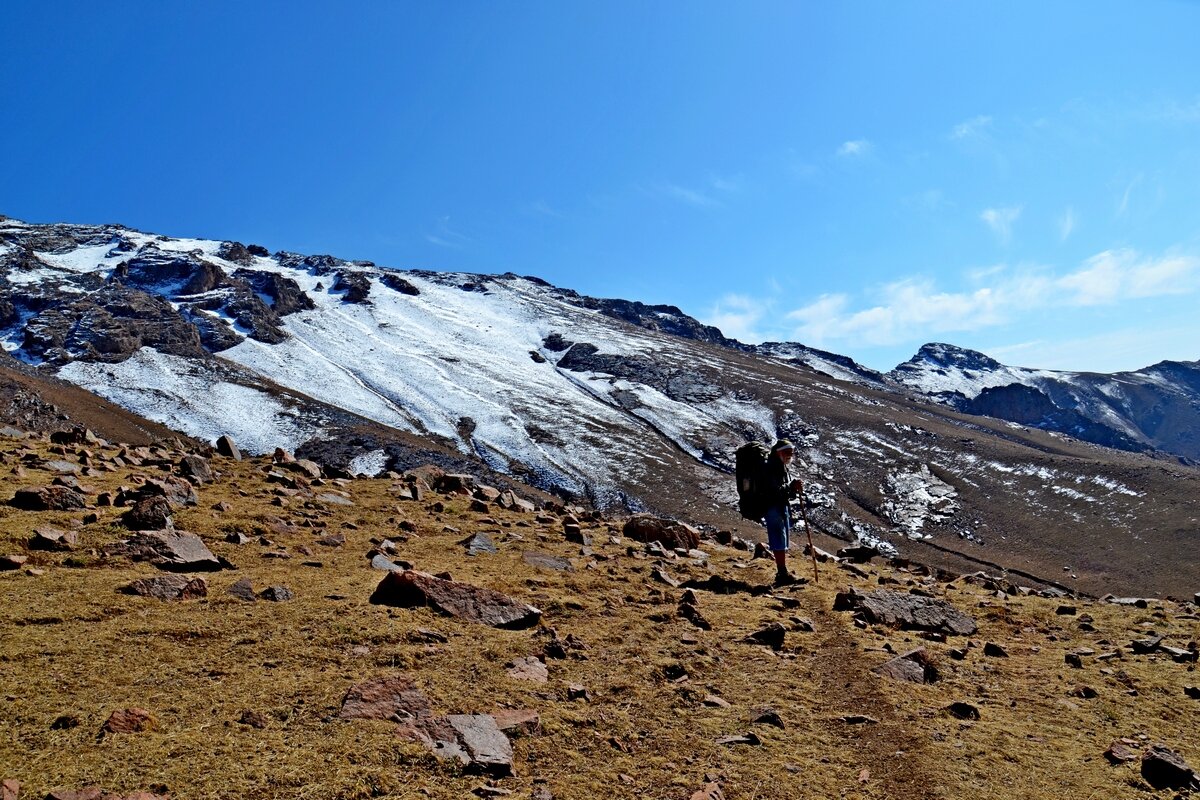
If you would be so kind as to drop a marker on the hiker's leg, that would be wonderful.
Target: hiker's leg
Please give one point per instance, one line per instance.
(777, 537)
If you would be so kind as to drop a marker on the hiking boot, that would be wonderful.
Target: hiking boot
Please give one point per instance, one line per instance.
(785, 579)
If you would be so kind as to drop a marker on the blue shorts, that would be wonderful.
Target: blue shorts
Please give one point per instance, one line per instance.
(779, 529)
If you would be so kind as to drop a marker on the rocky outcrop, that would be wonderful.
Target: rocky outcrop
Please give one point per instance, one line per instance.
(286, 295)
(412, 589)
(173, 551)
(668, 532)
(907, 611)
(109, 325)
(356, 285)
(680, 385)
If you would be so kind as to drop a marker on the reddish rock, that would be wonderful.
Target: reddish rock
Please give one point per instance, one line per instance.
(48, 498)
(177, 491)
(454, 484)
(130, 720)
(670, 533)
(394, 697)
(771, 636)
(10, 790)
(47, 538)
(711, 791)
(411, 589)
(518, 721)
(254, 719)
(1120, 753)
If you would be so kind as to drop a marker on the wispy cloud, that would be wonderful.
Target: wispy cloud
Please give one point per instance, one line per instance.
(1123, 203)
(975, 126)
(541, 208)
(1001, 220)
(915, 308)
(730, 184)
(856, 147)
(684, 194)
(1066, 224)
(444, 236)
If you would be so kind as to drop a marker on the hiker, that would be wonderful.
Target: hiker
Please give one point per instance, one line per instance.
(778, 487)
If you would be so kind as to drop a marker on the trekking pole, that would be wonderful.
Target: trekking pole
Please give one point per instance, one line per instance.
(812, 551)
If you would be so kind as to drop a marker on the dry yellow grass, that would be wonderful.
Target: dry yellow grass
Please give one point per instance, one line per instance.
(71, 644)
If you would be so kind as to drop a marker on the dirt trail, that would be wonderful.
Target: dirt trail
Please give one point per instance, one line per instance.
(890, 750)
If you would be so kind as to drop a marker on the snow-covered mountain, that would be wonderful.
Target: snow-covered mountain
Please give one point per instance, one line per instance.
(1156, 408)
(617, 402)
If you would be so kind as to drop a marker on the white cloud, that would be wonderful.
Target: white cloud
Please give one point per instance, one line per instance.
(1066, 224)
(731, 184)
(1116, 275)
(738, 316)
(1001, 220)
(857, 147)
(542, 209)
(915, 308)
(972, 127)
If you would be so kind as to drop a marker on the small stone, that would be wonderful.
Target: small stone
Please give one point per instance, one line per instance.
(749, 738)
(1066, 611)
(1073, 660)
(1192, 691)
(254, 719)
(994, 650)
(277, 594)
(47, 538)
(130, 720)
(577, 692)
(712, 701)
(243, 589)
(858, 719)
(479, 544)
(168, 587)
(530, 668)
(767, 716)
(10, 789)
(1120, 753)
(518, 721)
(915, 666)
(65, 722)
(963, 710)
(12, 561)
(771, 636)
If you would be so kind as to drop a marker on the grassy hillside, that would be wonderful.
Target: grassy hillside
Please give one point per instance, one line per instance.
(660, 692)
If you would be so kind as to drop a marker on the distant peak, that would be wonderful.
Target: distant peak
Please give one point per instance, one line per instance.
(948, 355)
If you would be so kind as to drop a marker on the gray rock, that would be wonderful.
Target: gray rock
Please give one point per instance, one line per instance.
(546, 561)
(168, 587)
(227, 448)
(334, 499)
(243, 589)
(277, 594)
(174, 551)
(488, 750)
(668, 532)
(907, 611)
(150, 514)
(479, 543)
(771, 636)
(382, 562)
(196, 467)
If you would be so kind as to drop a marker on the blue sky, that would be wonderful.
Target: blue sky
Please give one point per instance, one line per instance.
(1019, 178)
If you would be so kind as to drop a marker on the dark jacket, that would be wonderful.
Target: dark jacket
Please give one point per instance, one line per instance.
(777, 483)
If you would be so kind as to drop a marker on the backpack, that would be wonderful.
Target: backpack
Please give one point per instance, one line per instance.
(750, 467)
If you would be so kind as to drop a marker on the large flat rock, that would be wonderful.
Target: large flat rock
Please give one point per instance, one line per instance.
(908, 611)
(413, 589)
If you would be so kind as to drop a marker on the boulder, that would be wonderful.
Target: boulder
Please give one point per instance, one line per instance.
(1163, 768)
(277, 594)
(411, 589)
(47, 538)
(243, 589)
(915, 666)
(48, 498)
(670, 533)
(196, 467)
(486, 747)
(227, 448)
(303, 466)
(174, 551)
(168, 587)
(454, 484)
(177, 491)
(906, 611)
(150, 514)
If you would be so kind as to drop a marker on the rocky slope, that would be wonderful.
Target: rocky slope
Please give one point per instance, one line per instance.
(618, 404)
(183, 624)
(1156, 408)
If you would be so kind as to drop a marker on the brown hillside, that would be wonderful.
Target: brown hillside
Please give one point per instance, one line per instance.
(243, 698)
